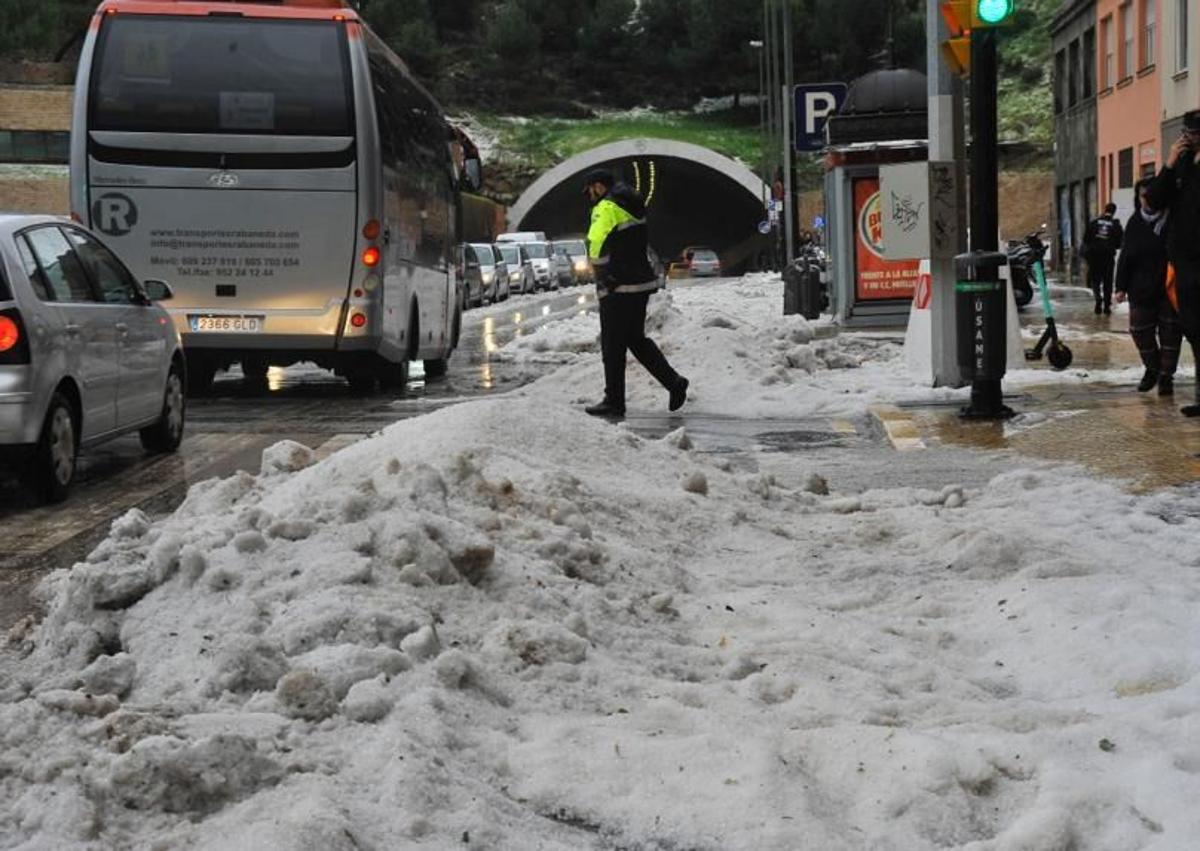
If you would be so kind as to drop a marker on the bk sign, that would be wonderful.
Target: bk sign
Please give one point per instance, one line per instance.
(815, 103)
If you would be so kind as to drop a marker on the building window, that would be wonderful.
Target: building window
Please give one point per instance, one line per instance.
(1089, 191)
(1148, 170)
(1125, 168)
(1089, 63)
(1060, 80)
(1181, 35)
(1108, 71)
(1073, 74)
(1126, 34)
(34, 146)
(1149, 31)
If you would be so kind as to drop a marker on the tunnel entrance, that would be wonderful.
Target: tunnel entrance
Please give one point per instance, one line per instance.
(694, 196)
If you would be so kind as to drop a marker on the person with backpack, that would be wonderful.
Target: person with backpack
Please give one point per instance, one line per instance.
(1142, 279)
(1176, 190)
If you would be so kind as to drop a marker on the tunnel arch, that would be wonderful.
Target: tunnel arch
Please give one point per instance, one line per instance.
(695, 196)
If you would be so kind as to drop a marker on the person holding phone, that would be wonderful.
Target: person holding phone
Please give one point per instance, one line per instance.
(1176, 189)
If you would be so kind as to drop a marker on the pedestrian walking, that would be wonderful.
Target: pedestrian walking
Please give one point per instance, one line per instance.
(1101, 242)
(1176, 190)
(1142, 278)
(617, 245)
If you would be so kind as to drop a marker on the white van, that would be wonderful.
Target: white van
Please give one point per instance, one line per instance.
(522, 236)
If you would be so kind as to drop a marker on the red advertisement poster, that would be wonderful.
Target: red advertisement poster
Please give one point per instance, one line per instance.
(877, 278)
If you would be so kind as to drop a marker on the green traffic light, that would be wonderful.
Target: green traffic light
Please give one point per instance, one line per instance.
(993, 11)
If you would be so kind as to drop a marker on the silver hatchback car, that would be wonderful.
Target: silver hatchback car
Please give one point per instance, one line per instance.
(85, 353)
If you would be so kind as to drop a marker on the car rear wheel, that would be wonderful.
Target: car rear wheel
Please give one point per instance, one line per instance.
(52, 467)
(166, 434)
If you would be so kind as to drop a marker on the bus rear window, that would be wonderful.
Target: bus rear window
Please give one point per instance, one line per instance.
(163, 74)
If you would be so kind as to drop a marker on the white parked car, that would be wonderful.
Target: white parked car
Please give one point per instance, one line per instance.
(86, 354)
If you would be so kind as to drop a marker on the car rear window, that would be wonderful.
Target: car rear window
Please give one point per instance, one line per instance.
(705, 256)
(5, 292)
(176, 74)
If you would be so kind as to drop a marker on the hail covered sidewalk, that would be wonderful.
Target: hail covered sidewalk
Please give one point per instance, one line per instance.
(509, 625)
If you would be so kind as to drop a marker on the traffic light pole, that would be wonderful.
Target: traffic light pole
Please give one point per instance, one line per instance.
(981, 295)
(985, 163)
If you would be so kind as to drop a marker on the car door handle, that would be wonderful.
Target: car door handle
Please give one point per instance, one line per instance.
(72, 330)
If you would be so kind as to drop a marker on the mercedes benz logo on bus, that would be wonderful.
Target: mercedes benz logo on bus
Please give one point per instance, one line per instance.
(224, 180)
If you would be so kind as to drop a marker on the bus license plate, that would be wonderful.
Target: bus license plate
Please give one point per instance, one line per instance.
(227, 324)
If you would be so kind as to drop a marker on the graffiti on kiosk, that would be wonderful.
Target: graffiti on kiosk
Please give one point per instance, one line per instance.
(877, 278)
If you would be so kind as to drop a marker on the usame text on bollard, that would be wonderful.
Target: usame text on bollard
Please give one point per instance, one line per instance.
(982, 312)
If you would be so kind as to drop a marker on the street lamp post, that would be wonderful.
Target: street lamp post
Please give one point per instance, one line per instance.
(764, 169)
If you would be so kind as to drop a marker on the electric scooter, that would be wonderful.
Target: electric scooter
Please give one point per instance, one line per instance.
(1055, 350)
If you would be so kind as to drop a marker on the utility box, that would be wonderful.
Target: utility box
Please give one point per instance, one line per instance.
(919, 209)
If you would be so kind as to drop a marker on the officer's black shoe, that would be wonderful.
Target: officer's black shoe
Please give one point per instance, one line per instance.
(1166, 385)
(678, 394)
(1107, 310)
(1190, 410)
(1097, 308)
(1148, 381)
(605, 409)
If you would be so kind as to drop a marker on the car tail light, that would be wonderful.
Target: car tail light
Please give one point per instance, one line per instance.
(372, 229)
(358, 320)
(370, 257)
(14, 343)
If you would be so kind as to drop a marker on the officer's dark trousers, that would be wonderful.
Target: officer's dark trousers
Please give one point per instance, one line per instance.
(1100, 279)
(623, 327)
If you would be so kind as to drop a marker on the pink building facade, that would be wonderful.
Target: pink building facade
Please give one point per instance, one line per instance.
(1129, 102)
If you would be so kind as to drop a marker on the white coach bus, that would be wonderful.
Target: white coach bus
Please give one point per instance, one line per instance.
(281, 168)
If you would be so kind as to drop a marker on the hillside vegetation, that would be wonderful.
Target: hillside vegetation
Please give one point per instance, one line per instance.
(566, 65)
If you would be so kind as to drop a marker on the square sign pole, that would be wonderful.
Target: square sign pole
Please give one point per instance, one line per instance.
(815, 103)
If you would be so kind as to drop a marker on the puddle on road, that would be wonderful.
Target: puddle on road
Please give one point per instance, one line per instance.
(794, 441)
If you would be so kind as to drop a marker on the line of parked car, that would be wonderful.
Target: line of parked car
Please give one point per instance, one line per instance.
(519, 263)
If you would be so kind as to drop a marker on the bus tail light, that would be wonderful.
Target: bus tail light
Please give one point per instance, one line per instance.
(370, 257)
(14, 345)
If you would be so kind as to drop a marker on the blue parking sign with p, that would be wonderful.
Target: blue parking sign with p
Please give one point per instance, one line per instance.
(815, 104)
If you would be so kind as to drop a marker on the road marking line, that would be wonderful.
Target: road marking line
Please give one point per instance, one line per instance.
(337, 443)
(902, 432)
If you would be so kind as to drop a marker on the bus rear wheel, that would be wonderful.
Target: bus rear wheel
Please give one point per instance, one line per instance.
(436, 368)
(393, 376)
(200, 375)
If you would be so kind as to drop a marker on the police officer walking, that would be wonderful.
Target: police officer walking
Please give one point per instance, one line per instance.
(617, 245)
(1101, 242)
(1177, 189)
